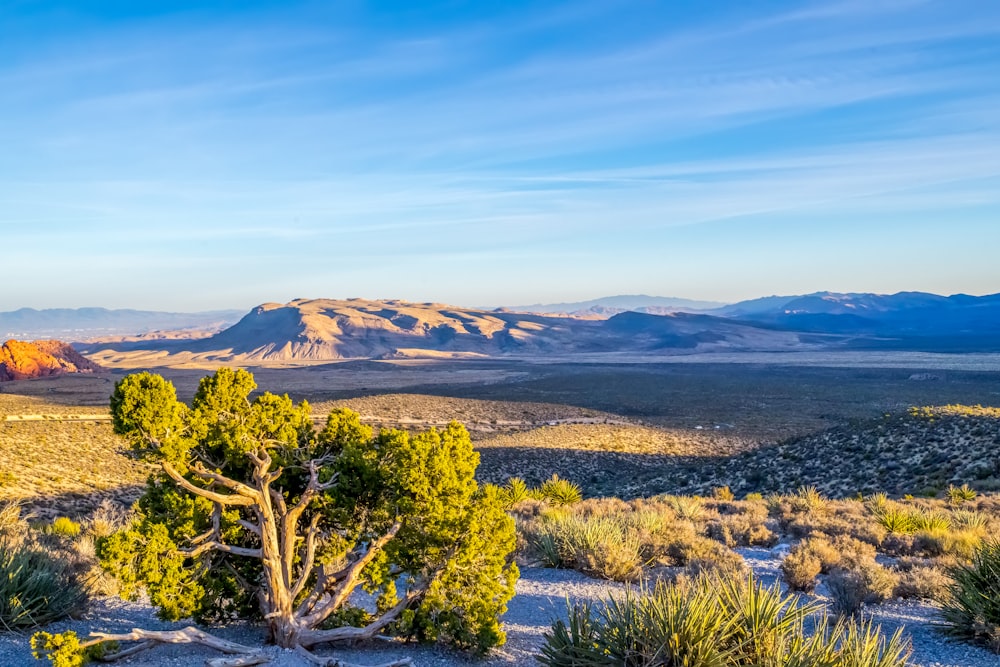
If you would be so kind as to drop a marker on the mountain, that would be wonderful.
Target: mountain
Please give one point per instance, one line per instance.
(912, 320)
(611, 305)
(80, 323)
(20, 360)
(326, 329)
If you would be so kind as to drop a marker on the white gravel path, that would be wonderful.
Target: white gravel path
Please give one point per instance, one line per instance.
(541, 597)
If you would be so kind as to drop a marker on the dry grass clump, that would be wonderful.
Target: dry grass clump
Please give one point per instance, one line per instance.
(922, 578)
(612, 539)
(48, 570)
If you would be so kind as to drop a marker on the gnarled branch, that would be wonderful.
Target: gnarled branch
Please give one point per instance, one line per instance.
(222, 499)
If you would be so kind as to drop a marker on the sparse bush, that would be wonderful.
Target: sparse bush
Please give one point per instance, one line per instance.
(35, 588)
(971, 608)
(847, 592)
(800, 569)
(11, 521)
(923, 581)
(723, 493)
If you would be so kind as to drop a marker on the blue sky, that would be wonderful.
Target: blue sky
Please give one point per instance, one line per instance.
(219, 155)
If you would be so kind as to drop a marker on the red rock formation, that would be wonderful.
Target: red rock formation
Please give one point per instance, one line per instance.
(20, 360)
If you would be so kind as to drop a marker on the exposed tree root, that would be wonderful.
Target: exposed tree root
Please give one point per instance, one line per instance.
(189, 635)
(336, 662)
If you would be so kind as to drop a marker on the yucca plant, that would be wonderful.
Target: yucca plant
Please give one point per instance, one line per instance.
(970, 520)
(515, 491)
(690, 508)
(35, 589)
(808, 499)
(560, 491)
(713, 622)
(931, 522)
(895, 519)
(961, 494)
(864, 645)
(970, 609)
(876, 501)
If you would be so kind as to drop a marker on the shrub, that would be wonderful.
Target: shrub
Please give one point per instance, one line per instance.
(35, 589)
(11, 521)
(800, 569)
(598, 546)
(64, 526)
(560, 491)
(723, 493)
(971, 608)
(847, 592)
(923, 581)
(712, 622)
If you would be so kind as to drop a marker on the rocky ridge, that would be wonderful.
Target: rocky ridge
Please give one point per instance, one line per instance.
(21, 360)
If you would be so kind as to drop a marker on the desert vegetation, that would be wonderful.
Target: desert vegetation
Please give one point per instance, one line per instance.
(711, 621)
(588, 489)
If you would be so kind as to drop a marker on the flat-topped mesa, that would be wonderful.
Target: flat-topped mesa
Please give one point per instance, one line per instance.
(21, 360)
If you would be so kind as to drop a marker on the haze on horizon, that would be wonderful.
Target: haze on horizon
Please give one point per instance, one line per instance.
(192, 156)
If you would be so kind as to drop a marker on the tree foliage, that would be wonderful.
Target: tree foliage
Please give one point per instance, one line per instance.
(256, 514)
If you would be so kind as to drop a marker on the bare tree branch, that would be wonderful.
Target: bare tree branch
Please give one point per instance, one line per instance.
(348, 633)
(252, 527)
(233, 499)
(219, 546)
(309, 558)
(344, 588)
(222, 480)
(149, 638)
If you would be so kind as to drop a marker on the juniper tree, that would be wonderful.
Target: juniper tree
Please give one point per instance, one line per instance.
(254, 514)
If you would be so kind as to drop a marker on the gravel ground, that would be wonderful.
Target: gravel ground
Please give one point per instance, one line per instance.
(541, 597)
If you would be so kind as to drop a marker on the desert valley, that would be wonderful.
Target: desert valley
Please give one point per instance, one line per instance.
(628, 446)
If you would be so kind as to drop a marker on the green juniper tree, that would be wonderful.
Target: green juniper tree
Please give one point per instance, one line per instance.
(255, 514)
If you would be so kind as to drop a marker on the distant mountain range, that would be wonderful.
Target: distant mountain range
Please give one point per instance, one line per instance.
(325, 329)
(76, 324)
(910, 320)
(612, 305)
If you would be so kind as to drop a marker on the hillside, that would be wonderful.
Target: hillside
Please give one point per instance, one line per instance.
(920, 451)
(316, 330)
(21, 361)
(908, 320)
